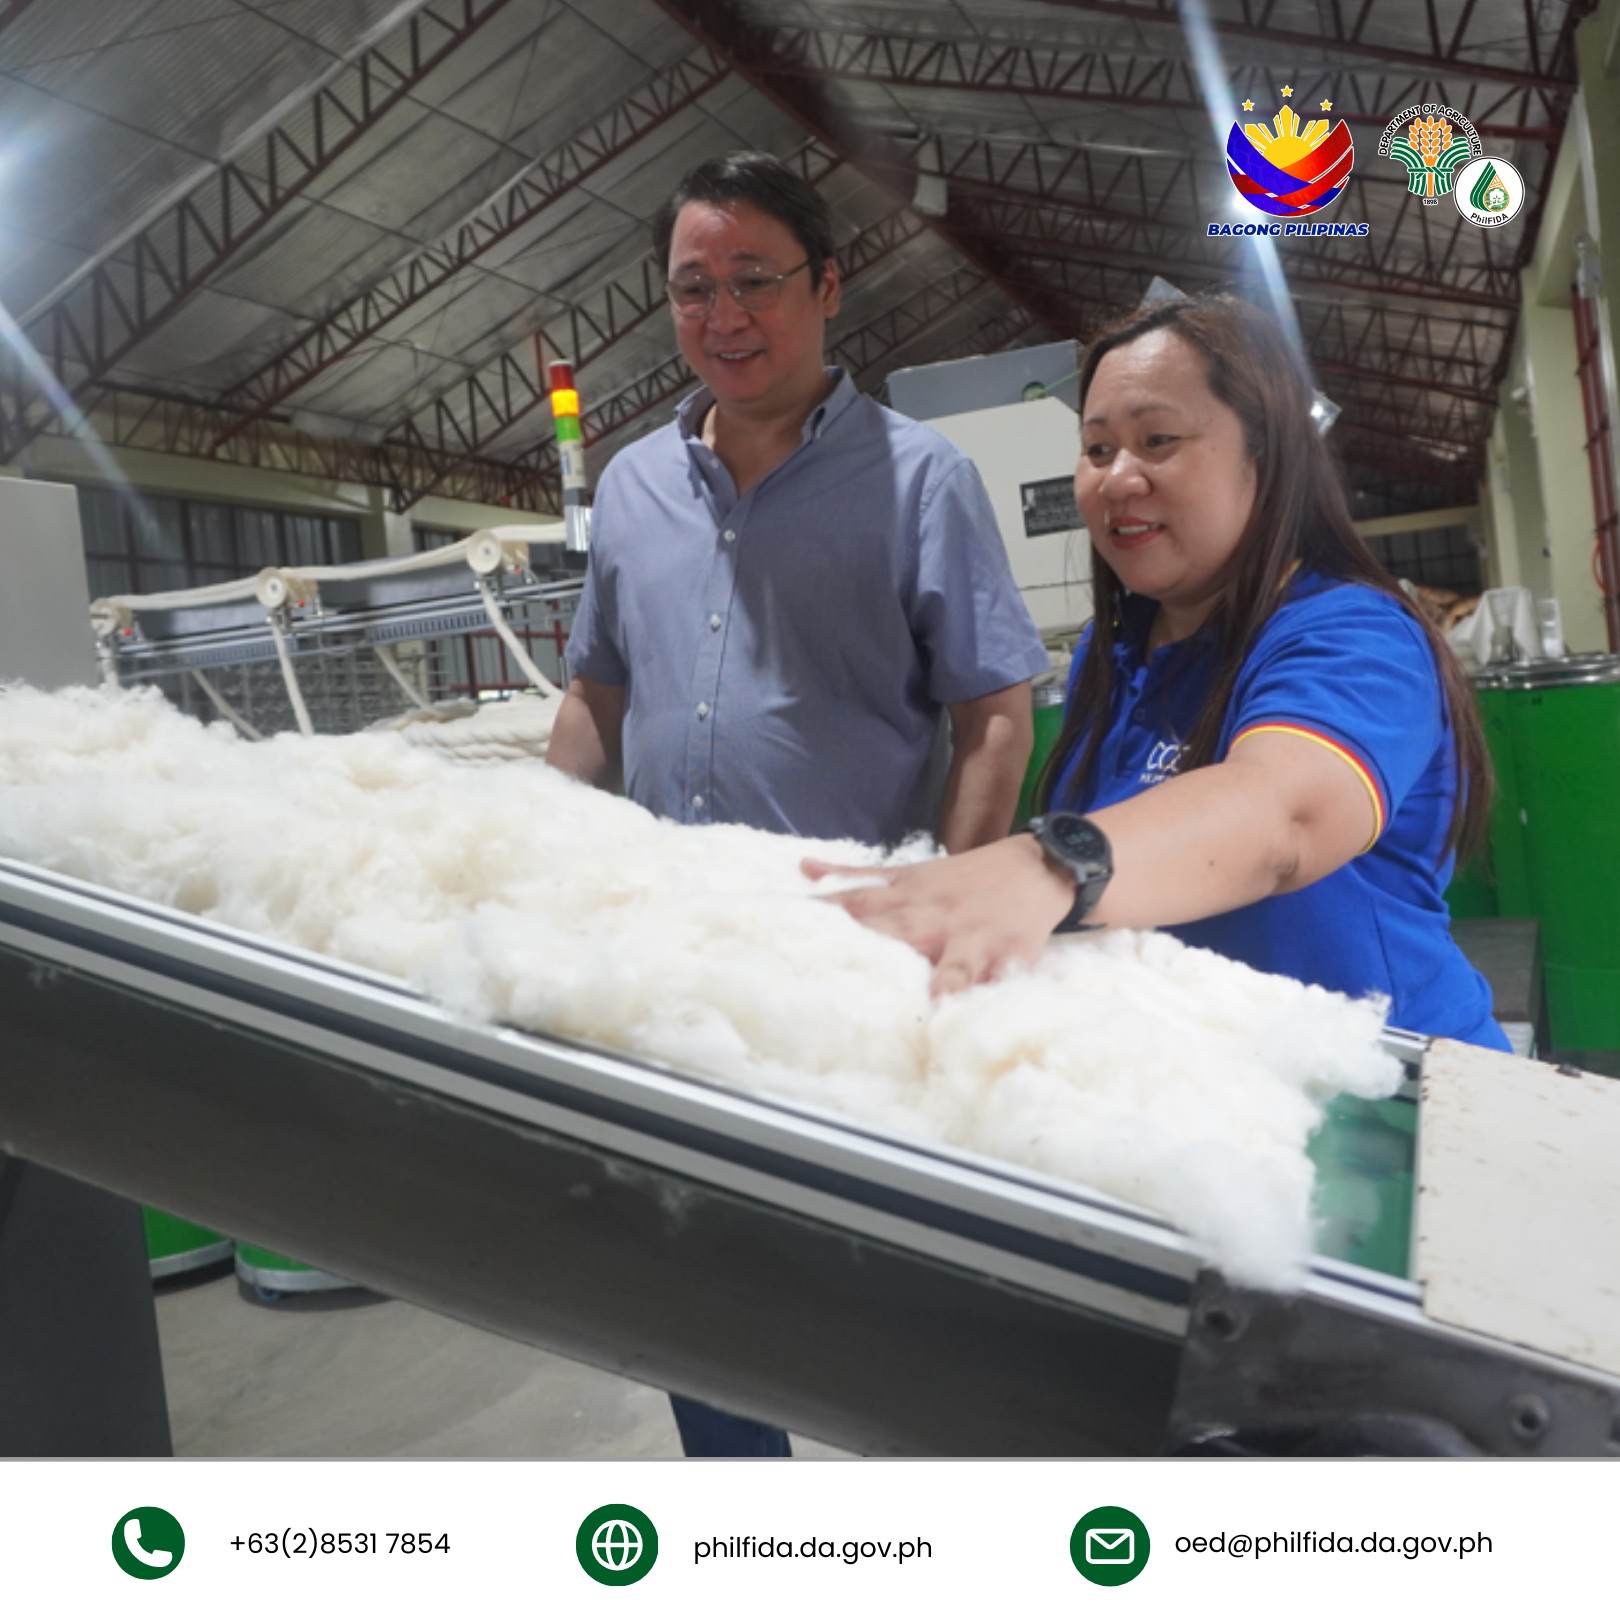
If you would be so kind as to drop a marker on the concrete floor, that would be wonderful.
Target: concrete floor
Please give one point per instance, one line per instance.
(351, 1374)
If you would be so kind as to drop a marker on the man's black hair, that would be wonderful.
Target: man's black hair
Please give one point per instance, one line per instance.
(770, 186)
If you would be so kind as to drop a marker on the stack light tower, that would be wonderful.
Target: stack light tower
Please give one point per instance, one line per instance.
(570, 456)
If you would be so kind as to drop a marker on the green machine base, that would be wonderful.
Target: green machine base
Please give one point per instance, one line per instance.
(175, 1246)
(271, 1275)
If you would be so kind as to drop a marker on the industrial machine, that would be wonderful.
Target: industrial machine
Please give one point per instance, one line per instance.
(1016, 414)
(336, 648)
(884, 1295)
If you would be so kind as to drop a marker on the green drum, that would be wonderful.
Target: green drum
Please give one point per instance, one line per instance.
(1048, 723)
(1473, 890)
(1562, 718)
(175, 1246)
(271, 1275)
(1509, 872)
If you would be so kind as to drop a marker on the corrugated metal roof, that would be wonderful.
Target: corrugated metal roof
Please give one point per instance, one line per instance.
(1076, 151)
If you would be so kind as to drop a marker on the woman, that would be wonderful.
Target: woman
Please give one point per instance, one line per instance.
(1274, 755)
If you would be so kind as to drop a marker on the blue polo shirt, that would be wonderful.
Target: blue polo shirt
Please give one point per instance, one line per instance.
(787, 653)
(1351, 670)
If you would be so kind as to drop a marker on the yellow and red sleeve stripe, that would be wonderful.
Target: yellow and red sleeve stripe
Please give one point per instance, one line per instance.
(1367, 779)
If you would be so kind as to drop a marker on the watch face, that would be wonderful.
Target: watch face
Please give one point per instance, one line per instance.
(1076, 840)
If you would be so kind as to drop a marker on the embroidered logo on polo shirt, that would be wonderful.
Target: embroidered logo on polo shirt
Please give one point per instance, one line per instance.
(1163, 761)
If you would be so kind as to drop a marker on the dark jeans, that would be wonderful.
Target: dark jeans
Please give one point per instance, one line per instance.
(709, 1432)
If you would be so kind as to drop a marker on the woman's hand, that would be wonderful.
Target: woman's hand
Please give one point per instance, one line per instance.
(970, 915)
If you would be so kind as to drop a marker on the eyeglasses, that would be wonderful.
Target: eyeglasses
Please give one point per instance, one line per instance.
(693, 296)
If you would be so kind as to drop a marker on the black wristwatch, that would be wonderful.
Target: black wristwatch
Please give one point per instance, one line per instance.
(1079, 849)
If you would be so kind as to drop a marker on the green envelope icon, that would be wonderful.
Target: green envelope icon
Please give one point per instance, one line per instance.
(1110, 1546)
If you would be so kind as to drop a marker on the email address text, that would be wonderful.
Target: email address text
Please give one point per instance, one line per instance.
(1258, 1544)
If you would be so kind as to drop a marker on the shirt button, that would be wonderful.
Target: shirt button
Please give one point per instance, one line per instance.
(697, 801)
(730, 534)
(714, 621)
(1139, 715)
(703, 711)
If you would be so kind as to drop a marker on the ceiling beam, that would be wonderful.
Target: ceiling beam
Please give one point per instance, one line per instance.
(725, 26)
(346, 330)
(1329, 38)
(179, 425)
(923, 311)
(977, 64)
(129, 291)
(484, 404)
(853, 349)
(1070, 229)
(1395, 379)
(1298, 273)
(994, 336)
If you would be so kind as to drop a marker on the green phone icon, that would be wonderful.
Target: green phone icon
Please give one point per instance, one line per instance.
(148, 1543)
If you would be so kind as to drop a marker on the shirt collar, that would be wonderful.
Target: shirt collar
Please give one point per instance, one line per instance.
(1136, 617)
(691, 411)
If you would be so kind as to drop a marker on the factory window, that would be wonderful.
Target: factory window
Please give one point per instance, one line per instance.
(136, 545)
(424, 538)
(1445, 558)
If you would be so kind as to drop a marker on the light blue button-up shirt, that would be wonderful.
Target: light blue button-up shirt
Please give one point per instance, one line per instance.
(787, 652)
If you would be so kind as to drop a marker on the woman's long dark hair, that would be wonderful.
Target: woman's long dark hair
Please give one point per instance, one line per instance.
(1301, 517)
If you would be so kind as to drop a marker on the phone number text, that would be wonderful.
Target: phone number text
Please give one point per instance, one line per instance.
(311, 1543)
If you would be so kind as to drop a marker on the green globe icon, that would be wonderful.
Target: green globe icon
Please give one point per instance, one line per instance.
(617, 1544)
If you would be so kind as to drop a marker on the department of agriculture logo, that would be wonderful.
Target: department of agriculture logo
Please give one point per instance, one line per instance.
(148, 1543)
(1286, 169)
(616, 1544)
(1432, 143)
(1489, 191)
(1109, 1546)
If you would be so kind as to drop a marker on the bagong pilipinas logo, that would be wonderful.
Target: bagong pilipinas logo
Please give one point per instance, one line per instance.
(1287, 171)
(1432, 142)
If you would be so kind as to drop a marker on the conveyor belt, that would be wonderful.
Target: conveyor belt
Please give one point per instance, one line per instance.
(389, 611)
(884, 1296)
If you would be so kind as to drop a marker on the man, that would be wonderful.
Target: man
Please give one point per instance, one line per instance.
(789, 582)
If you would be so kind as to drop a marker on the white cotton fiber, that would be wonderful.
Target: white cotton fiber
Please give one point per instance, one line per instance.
(1128, 1062)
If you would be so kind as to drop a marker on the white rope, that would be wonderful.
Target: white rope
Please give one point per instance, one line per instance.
(516, 647)
(479, 733)
(513, 538)
(388, 662)
(289, 679)
(217, 698)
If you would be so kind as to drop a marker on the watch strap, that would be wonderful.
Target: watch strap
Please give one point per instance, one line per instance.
(1090, 877)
